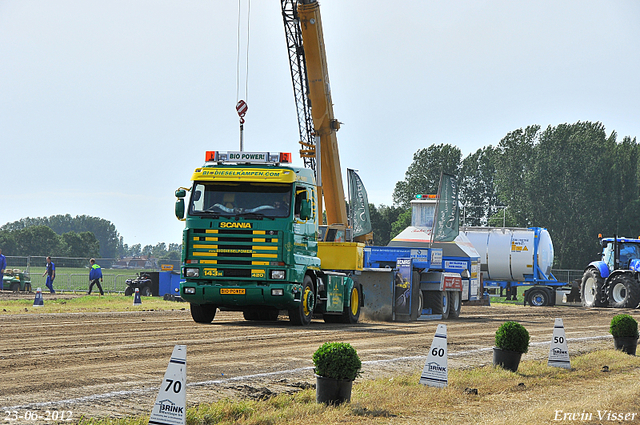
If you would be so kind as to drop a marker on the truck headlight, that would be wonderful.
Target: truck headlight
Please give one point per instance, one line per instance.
(191, 272)
(278, 274)
(188, 290)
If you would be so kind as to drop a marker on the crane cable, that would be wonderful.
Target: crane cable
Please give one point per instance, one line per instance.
(241, 107)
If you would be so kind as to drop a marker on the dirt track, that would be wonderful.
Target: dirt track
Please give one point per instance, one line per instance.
(111, 364)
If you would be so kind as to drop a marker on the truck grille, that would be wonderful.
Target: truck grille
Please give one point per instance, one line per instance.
(235, 253)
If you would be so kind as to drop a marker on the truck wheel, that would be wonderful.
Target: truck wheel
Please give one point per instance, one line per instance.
(351, 314)
(302, 315)
(592, 289)
(624, 292)
(446, 301)
(438, 302)
(128, 291)
(538, 297)
(455, 304)
(15, 287)
(419, 306)
(203, 313)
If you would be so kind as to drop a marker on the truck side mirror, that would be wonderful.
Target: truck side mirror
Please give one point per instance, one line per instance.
(180, 194)
(305, 210)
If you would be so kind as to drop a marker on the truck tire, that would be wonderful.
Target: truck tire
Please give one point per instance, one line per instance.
(538, 297)
(624, 292)
(455, 304)
(302, 315)
(419, 306)
(438, 302)
(417, 301)
(592, 289)
(351, 314)
(446, 302)
(203, 313)
(435, 300)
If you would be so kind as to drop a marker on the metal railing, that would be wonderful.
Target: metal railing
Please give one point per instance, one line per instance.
(75, 282)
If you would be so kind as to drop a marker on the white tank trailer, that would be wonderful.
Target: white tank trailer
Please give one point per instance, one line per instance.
(512, 257)
(512, 254)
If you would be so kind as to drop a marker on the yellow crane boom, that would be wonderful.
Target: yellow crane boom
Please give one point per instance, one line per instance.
(324, 121)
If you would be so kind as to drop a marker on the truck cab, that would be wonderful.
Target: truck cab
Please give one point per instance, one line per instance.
(250, 241)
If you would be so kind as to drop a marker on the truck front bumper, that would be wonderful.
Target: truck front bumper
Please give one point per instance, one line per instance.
(282, 296)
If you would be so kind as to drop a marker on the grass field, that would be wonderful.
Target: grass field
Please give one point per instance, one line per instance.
(535, 394)
(87, 303)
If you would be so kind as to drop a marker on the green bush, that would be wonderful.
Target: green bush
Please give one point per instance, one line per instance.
(623, 325)
(512, 336)
(337, 360)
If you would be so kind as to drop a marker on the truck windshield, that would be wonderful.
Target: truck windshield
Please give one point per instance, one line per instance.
(241, 199)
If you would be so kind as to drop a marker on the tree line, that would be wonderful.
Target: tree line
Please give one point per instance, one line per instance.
(572, 179)
(79, 236)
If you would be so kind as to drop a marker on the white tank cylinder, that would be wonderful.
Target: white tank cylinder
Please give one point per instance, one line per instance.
(510, 253)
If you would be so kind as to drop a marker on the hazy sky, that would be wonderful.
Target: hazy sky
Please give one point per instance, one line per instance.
(107, 107)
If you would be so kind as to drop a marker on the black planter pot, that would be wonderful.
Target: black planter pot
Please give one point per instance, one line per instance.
(333, 391)
(509, 360)
(627, 344)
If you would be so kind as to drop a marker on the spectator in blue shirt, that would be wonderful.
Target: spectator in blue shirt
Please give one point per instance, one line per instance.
(95, 276)
(3, 266)
(50, 272)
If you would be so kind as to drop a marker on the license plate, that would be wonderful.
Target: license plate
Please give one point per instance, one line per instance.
(232, 291)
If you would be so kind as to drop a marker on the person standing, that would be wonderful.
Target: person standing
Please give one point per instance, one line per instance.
(95, 276)
(3, 266)
(50, 272)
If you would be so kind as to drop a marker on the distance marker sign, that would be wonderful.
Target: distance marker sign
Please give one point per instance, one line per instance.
(435, 372)
(559, 352)
(171, 404)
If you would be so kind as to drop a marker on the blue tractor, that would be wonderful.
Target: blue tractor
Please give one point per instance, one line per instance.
(615, 279)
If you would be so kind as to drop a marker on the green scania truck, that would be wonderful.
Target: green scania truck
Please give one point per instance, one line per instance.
(252, 243)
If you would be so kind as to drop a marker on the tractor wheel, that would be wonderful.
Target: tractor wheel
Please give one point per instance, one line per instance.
(351, 314)
(538, 297)
(455, 304)
(624, 292)
(203, 313)
(15, 287)
(592, 289)
(302, 315)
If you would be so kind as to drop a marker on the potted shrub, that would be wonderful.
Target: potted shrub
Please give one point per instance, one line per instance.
(512, 340)
(624, 329)
(337, 365)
